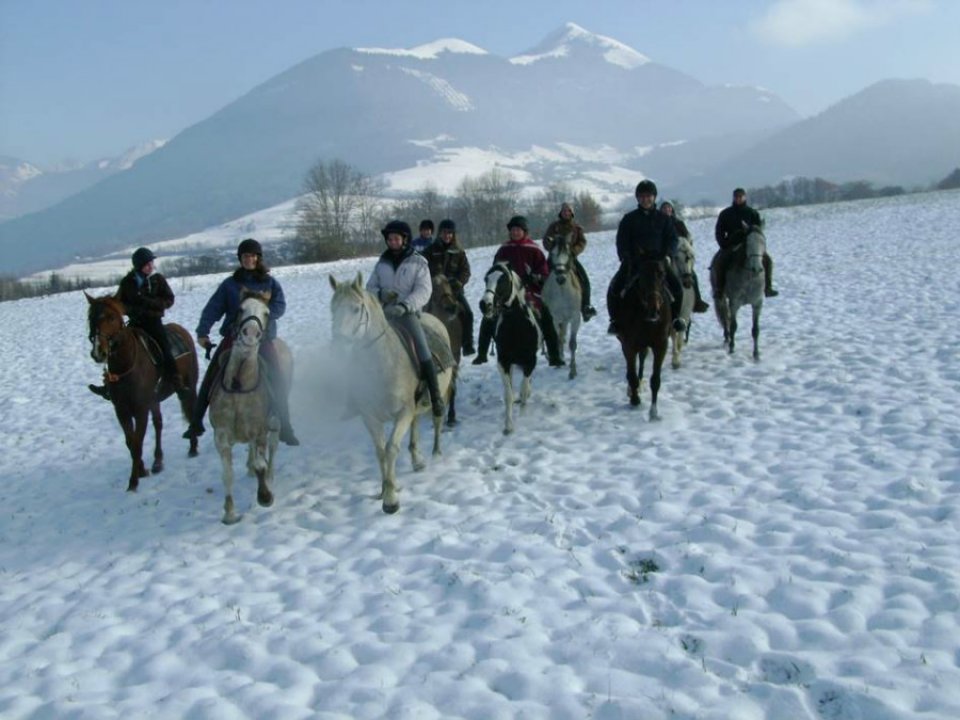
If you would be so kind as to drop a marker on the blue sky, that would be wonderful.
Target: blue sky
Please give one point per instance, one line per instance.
(82, 80)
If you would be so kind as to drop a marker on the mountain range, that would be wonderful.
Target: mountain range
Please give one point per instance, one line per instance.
(586, 109)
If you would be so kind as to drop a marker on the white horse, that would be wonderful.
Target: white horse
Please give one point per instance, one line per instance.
(684, 260)
(744, 286)
(517, 334)
(562, 294)
(384, 379)
(240, 402)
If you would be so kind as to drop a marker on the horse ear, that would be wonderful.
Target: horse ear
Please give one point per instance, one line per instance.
(333, 281)
(88, 296)
(358, 283)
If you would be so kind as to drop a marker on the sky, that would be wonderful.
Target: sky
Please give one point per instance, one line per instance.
(82, 81)
(781, 544)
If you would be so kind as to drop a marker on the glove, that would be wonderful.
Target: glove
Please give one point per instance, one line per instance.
(397, 310)
(204, 342)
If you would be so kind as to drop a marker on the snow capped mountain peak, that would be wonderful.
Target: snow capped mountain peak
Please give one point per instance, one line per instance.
(429, 51)
(564, 41)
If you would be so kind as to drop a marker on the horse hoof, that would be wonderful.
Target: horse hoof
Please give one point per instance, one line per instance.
(391, 509)
(231, 519)
(193, 452)
(156, 467)
(265, 499)
(132, 487)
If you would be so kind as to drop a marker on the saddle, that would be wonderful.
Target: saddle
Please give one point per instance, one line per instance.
(439, 348)
(178, 346)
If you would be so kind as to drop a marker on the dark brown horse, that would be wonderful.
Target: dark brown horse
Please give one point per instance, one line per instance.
(134, 379)
(444, 306)
(644, 321)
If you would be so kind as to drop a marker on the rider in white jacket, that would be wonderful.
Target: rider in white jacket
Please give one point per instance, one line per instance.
(401, 281)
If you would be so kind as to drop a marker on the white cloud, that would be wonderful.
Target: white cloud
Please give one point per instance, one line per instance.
(806, 22)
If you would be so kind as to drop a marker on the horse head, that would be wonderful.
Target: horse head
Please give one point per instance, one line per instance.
(352, 309)
(646, 286)
(755, 247)
(105, 321)
(503, 287)
(685, 259)
(252, 319)
(560, 258)
(443, 301)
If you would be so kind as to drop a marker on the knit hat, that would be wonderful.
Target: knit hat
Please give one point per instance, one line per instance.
(518, 221)
(447, 225)
(249, 247)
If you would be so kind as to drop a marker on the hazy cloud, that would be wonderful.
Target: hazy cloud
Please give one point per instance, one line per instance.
(806, 22)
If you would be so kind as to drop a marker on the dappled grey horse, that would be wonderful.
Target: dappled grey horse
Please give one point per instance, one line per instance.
(743, 285)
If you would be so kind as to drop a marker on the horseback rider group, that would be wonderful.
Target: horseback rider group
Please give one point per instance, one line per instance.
(401, 280)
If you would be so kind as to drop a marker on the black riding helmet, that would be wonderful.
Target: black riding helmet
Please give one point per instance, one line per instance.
(448, 225)
(249, 246)
(399, 227)
(141, 257)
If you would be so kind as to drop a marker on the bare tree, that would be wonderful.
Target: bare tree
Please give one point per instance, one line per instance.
(339, 207)
(485, 204)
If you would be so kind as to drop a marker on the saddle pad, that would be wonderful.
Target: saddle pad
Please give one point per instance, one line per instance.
(439, 348)
(178, 346)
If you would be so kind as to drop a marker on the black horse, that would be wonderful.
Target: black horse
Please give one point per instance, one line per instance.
(517, 334)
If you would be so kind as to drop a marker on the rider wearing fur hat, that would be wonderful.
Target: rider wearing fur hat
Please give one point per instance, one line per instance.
(146, 295)
(446, 257)
(645, 234)
(528, 261)
(666, 207)
(401, 282)
(565, 225)
(252, 275)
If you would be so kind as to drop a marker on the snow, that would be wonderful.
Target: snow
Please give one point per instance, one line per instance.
(614, 51)
(783, 544)
(429, 51)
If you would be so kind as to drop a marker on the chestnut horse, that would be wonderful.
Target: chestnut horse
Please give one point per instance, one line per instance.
(135, 381)
(444, 306)
(644, 321)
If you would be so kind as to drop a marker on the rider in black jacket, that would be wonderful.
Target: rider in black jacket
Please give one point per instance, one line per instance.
(733, 224)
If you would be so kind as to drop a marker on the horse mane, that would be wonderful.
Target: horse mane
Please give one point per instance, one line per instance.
(111, 302)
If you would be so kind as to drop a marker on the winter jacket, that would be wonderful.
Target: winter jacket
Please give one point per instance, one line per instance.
(403, 278)
(733, 223)
(420, 243)
(225, 302)
(450, 261)
(528, 261)
(562, 227)
(144, 297)
(647, 234)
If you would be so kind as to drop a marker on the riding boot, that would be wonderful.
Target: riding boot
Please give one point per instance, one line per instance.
(101, 390)
(699, 306)
(487, 326)
(768, 290)
(549, 331)
(586, 309)
(428, 372)
(612, 296)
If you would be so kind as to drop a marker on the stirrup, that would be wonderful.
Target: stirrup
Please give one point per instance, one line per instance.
(100, 390)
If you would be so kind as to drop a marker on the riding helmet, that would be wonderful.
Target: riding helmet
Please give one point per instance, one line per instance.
(739, 191)
(646, 187)
(141, 257)
(249, 247)
(518, 221)
(426, 225)
(448, 225)
(399, 227)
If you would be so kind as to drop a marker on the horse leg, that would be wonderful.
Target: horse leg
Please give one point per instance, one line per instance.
(414, 445)
(188, 400)
(755, 330)
(574, 329)
(225, 448)
(526, 387)
(375, 429)
(732, 320)
(127, 424)
(507, 398)
(391, 500)
(452, 404)
(437, 430)
(264, 466)
(633, 380)
(676, 343)
(659, 354)
(158, 433)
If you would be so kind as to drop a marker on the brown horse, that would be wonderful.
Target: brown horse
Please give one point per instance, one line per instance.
(644, 321)
(135, 380)
(444, 306)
